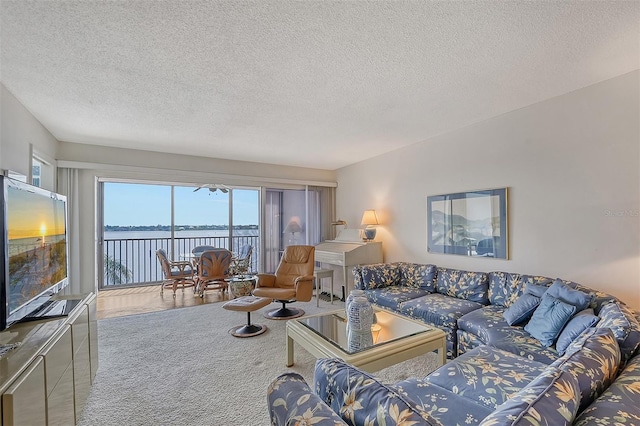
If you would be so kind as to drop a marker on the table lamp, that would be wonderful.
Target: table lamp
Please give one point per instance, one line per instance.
(292, 227)
(369, 218)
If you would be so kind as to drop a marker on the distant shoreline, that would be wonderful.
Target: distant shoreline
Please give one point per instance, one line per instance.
(118, 228)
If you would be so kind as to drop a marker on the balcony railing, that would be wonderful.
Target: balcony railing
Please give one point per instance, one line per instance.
(133, 261)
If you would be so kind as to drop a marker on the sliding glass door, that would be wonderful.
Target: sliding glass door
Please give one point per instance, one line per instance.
(138, 219)
(295, 216)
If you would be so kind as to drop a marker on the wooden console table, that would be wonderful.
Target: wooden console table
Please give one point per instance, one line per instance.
(47, 378)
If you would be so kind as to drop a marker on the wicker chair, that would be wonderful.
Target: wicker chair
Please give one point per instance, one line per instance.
(213, 269)
(176, 273)
(240, 263)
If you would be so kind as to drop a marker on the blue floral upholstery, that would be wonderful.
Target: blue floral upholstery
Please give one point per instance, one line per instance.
(505, 287)
(393, 297)
(438, 310)
(360, 399)
(593, 359)
(442, 404)
(291, 402)
(502, 375)
(486, 375)
(550, 400)
(378, 275)
(488, 326)
(404, 274)
(418, 276)
(624, 324)
(471, 286)
(441, 311)
(619, 404)
(467, 341)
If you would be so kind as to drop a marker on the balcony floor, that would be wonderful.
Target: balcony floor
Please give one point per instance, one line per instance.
(137, 300)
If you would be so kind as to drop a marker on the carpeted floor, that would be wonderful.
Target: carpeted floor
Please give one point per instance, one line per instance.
(182, 367)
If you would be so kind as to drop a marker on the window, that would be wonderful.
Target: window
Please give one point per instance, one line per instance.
(36, 170)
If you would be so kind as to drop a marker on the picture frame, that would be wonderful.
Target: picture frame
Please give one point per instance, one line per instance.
(473, 223)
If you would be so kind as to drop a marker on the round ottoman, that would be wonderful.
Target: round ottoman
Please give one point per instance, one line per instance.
(247, 304)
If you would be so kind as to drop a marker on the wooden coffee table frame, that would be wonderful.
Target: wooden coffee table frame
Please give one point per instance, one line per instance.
(374, 358)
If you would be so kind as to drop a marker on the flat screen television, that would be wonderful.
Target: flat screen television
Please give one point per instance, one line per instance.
(33, 254)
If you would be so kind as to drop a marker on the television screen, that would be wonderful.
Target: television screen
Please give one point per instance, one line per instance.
(35, 247)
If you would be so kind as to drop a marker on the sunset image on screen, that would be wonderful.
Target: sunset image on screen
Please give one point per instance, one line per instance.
(32, 216)
(37, 244)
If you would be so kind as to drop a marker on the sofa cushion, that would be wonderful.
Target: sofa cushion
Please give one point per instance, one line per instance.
(438, 309)
(379, 275)
(471, 286)
(576, 325)
(593, 359)
(625, 326)
(522, 309)
(505, 287)
(536, 290)
(548, 319)
(550, 400)
(442, 404)
(619, 403)
(481, 321)
(577, 298)
(418, 275)
(490, 326)
(392, 297)
(359, 398)
(486, 375)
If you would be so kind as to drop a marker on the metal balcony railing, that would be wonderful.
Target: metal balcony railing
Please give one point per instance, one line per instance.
(133, 261)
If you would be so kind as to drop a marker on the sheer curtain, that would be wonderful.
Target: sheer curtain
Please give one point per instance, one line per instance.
(322, 209)
(68, 185)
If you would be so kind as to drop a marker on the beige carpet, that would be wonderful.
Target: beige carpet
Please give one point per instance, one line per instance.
(182, 367)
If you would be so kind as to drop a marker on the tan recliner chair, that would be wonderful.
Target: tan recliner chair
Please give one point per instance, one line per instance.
(292, 282)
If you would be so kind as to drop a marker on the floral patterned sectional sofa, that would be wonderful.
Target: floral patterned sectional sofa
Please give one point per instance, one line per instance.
(587, 373)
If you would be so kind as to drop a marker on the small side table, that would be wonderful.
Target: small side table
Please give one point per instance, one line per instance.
(241, 285)
(319, 274)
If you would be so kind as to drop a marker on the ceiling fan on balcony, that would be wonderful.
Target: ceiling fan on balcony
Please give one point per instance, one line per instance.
(213, 187)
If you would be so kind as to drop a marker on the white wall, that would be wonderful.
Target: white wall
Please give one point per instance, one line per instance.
(19, 129)
(571, 164)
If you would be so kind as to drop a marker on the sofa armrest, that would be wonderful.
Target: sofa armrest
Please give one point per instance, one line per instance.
(361, 399)
(291, 401)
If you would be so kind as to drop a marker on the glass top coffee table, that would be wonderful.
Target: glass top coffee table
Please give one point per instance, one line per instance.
(398, 339)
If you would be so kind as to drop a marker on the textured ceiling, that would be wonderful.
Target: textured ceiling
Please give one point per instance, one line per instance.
(315, 84)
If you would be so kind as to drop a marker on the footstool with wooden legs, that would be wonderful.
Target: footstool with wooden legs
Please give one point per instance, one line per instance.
(247, 304)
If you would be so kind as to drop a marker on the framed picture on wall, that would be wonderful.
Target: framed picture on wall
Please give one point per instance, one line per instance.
(469, 223)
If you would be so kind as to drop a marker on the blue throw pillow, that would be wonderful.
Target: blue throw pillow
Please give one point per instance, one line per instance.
(536, 289)
(575, 327)
(522, 309)
(577, 298)
(549, 319)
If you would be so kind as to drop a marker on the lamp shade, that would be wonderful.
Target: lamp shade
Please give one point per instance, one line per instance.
(292, 227)
(369, 218)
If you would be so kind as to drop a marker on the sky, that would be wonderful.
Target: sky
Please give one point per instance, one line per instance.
(128, 204)
(33, 215)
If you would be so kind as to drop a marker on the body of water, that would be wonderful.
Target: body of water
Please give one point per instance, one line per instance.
(136, 250)
(191, 233)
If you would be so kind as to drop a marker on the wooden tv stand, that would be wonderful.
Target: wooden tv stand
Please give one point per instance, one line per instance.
(46, 380)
